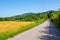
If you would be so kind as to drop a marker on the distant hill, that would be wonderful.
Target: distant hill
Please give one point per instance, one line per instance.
(28, 16)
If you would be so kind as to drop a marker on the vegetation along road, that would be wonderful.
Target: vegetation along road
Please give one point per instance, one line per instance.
(45, 31)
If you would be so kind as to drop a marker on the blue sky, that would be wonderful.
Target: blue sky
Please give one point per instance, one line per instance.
(17, 7)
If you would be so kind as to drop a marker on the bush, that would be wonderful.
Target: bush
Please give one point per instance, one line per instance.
(56, 19)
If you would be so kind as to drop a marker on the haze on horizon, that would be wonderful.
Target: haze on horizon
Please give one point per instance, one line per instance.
(17, 7)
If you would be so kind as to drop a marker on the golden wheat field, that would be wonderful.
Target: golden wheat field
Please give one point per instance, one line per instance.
(12, 26)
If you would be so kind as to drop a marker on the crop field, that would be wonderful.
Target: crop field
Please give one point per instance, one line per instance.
(10, 26)
(7, 27)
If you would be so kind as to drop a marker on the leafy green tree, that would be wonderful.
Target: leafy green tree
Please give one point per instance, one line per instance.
(56, 19)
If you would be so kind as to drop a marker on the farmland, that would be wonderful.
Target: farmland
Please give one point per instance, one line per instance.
(10, 28)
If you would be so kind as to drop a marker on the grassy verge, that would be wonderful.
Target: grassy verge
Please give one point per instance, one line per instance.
(7, 35)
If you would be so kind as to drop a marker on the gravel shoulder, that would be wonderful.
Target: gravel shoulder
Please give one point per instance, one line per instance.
(44, 31)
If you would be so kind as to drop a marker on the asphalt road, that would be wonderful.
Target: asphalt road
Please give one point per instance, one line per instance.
(44, 31)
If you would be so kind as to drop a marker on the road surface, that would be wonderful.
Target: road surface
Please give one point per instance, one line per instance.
(44, 31)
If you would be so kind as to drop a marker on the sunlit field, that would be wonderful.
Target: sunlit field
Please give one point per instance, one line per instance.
(12, 26)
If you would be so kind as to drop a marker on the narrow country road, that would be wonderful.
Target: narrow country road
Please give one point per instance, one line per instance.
(44, 31)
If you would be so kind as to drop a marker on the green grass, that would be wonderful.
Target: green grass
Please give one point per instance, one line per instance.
(6, 35)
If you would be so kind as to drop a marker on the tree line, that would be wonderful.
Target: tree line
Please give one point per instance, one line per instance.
(28, 16)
